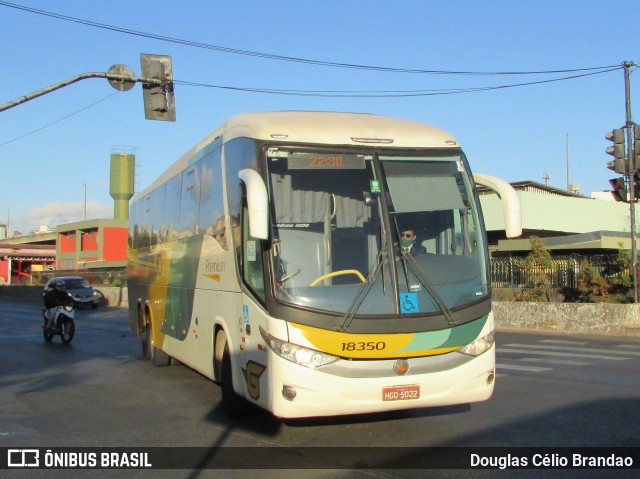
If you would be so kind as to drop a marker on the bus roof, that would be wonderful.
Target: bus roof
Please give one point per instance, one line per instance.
(330, 128)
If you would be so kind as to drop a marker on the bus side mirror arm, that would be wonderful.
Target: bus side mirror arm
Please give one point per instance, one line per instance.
(257, 203)
(511, 208)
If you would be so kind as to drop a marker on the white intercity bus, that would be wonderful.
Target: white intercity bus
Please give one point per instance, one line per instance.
(319, 264)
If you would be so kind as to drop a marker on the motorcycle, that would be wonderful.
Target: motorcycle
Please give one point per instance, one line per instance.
(63, 323)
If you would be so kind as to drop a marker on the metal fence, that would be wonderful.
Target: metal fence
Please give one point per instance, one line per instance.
(505, 272)
(514, 273)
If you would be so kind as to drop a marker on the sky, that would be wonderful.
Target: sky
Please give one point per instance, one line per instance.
(55, 149)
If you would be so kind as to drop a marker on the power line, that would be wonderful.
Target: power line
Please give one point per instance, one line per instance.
(386, 93)
(326, 93)
(579, 73)
(58, 120)
(284, 58)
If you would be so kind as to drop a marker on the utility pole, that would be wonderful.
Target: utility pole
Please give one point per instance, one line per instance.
(568, 175)
(631, 175)
(8, 226)
(85, 200)
(626, 162)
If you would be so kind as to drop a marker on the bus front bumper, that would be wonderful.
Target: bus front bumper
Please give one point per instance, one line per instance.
(296, 391)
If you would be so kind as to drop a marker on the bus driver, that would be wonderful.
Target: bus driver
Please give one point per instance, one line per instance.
(408, 241)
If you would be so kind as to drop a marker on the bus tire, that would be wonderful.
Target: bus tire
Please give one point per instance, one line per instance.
(232, 404)
(158, 358)
(145, 337)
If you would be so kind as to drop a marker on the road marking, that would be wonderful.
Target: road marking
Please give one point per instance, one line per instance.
(553, 351)
(562, 362)
(518, 367)
(564, 348)
(556, 353)
(561, 341)
(630, 346)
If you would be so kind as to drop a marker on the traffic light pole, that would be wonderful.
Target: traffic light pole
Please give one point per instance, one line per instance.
(157, 86)
(114, 77)
(631, 176)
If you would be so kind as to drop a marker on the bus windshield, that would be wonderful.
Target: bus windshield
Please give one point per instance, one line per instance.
(383, 233)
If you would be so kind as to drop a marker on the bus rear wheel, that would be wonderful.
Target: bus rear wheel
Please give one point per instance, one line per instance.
(144, 333)
(149, 351)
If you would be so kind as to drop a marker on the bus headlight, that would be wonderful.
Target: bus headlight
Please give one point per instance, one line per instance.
(309, 358)
(479, 346)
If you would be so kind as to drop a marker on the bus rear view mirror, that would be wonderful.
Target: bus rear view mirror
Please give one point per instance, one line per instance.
(369, 200)
(511, 209)
(257, 203)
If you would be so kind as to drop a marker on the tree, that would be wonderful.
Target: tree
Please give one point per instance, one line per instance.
(592, 287)
(620, 278)
(540, 267)
(610, 286)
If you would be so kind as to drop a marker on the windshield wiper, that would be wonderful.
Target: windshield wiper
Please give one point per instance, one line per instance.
(414, 267)
(373, 276)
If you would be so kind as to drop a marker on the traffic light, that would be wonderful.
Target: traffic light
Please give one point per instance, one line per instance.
(619, 165)
(619, 191)
(158, 98)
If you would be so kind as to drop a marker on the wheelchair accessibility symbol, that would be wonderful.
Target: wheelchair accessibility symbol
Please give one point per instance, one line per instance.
(409, 303)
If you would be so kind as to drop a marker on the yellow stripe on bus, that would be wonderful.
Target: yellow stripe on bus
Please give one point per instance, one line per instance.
(370, 346)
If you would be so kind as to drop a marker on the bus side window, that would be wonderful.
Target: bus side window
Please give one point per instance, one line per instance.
(252, 258)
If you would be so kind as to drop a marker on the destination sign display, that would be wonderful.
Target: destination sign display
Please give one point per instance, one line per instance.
(328, 161)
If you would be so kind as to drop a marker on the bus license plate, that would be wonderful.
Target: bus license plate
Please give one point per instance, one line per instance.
(398, 393)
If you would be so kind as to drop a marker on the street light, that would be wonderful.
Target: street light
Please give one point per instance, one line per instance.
(8, 226)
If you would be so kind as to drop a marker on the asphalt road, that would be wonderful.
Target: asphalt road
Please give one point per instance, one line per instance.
(551, 391)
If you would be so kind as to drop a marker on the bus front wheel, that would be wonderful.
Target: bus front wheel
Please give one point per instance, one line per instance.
(232, 404)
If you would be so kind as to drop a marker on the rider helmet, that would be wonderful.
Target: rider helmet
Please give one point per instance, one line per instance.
(59, 284)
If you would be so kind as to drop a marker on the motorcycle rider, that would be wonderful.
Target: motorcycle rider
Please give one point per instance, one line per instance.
(54, 297)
